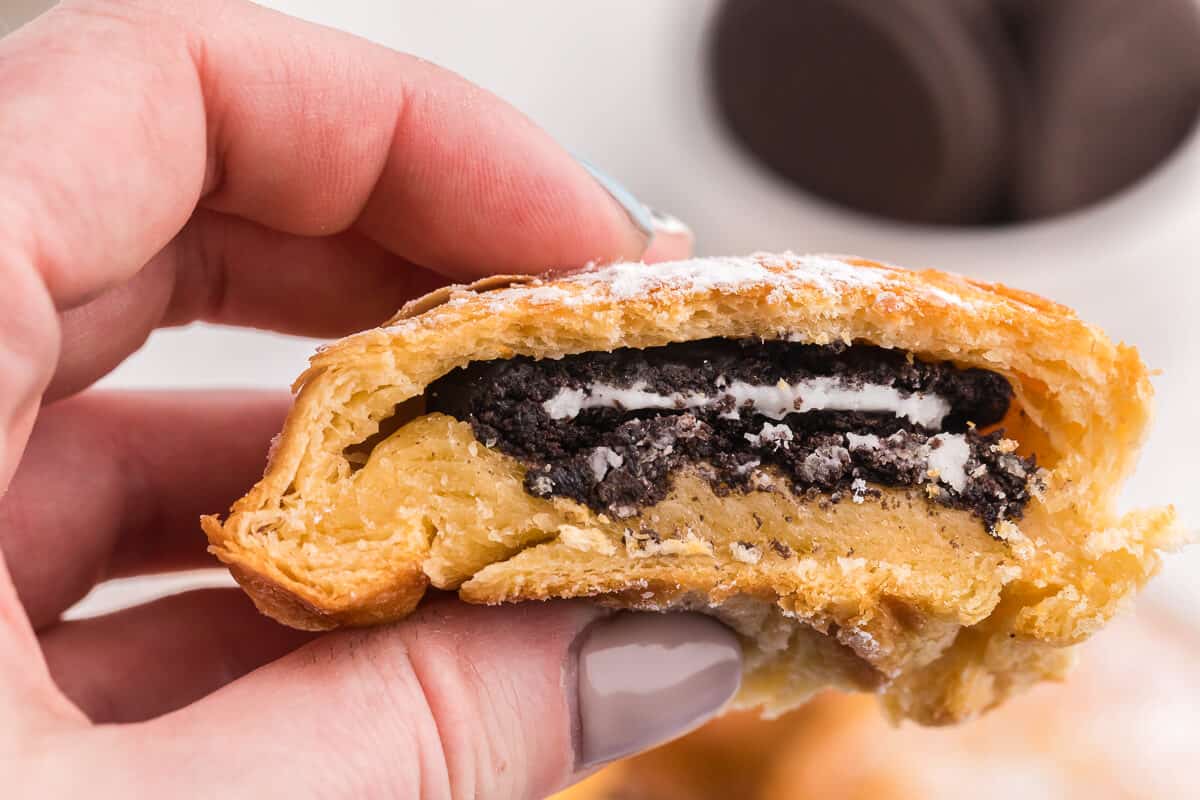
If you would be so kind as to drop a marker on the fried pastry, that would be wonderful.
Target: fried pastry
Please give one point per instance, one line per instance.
(1102, 736)
(883, 480)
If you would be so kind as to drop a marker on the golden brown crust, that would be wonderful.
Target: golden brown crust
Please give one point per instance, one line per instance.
(735, 756)
(440, 296)
(316, 547)
(1104, 736)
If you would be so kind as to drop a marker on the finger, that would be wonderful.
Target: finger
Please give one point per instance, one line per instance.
(150, 659)
(28, 349)
(672, 239)
(29, 699)
(113, 482)
(286, 124)
(300, 128)
(226, 270)
(457, 701)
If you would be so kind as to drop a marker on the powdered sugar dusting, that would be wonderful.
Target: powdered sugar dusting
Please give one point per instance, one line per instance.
(946, 297)
(831, 274)
(546, 294)
(630, 280)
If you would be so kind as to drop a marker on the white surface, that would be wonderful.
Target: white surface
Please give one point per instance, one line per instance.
(621, 81)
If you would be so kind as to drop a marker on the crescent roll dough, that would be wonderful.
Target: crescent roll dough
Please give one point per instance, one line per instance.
(893, 560)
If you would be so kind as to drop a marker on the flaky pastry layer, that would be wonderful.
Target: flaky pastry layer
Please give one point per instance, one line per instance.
(367, 500)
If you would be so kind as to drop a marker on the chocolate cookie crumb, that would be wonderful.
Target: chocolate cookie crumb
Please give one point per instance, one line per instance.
(616, 460)
(782, 549)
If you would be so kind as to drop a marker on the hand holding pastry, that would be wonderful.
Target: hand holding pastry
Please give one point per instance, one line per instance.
(163, 163)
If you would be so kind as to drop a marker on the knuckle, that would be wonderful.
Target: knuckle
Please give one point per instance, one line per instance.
(29, 335)
(395, 704)
(479, 717)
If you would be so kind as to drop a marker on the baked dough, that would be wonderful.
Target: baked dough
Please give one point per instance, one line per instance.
(367, 500)
(1102, 736)
(742, 756)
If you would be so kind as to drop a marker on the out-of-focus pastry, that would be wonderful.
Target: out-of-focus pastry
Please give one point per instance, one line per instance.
(1123, 728)
(735, 756)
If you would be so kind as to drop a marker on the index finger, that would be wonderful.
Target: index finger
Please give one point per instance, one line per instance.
(118, 119)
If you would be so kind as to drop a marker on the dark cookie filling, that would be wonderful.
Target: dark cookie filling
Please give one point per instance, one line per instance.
(616, 459)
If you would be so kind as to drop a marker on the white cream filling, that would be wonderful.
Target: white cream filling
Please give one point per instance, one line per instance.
(867, 441)
(821, 393)
(946, 454)
(949, 458)
(776, 435)
(602, 459)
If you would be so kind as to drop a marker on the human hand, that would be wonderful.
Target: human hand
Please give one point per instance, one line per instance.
(168, 162)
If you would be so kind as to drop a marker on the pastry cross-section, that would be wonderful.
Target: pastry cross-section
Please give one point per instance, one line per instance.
(893, 481)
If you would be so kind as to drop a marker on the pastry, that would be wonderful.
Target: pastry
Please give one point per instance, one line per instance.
(738, 755)
(1101, 736)
(1105, 735)
(883, 480)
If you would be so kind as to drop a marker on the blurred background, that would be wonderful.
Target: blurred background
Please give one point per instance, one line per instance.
(1048, 144)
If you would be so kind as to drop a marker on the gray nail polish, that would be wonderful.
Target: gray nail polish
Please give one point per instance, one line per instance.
(647, 678)
(665, 223)
(638, 212)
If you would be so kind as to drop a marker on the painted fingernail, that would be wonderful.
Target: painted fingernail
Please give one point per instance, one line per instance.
(668, 224)
(672, 239)
(647, 678)
(638, 212)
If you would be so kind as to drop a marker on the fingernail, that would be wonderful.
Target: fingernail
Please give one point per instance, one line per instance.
(667, 224)
(638, 212)
(672, 239)
(647, 678)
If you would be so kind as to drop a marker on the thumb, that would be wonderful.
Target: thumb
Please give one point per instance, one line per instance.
(29, 700)
(456, 701)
